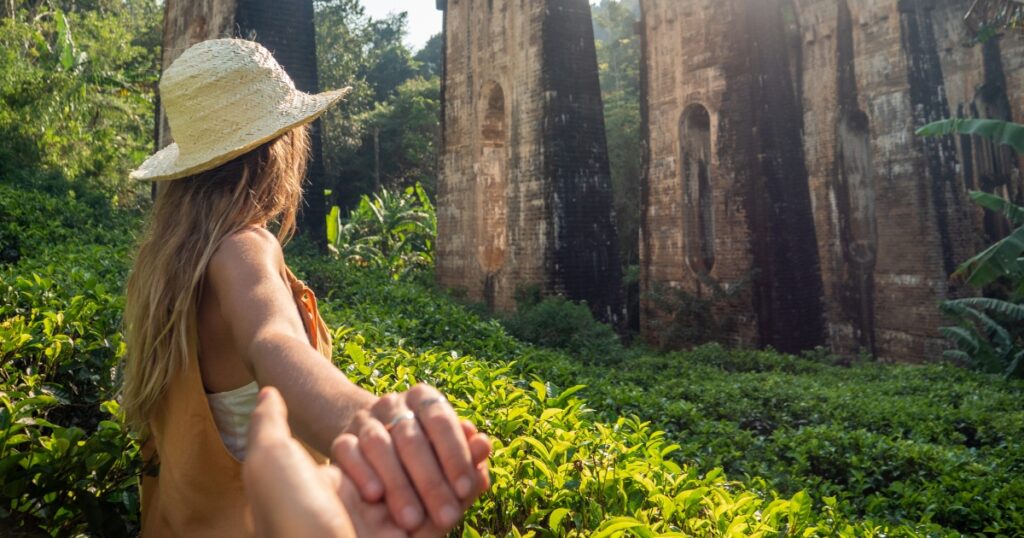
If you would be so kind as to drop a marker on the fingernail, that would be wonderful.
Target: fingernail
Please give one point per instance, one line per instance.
(463, 486)
(449, 515)
(374, 489)
(412, 516)
(263, 394)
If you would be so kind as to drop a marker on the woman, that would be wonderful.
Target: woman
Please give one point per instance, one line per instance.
(213, 314)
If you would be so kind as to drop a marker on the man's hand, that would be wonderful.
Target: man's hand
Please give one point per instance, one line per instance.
(413, 451)
(291, 495)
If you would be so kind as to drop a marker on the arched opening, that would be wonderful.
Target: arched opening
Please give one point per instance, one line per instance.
(490, 183)
(695, 172)
(855, 201)
(857, 179)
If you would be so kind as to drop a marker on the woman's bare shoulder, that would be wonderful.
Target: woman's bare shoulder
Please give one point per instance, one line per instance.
(250, 248)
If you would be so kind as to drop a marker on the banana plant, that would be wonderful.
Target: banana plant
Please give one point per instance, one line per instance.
(389, 230)
(981, 337)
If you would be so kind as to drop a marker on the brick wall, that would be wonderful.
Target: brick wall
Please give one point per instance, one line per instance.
(524, 193)
(827, 159)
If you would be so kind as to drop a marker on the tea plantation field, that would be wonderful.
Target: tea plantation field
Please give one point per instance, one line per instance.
(593, 440)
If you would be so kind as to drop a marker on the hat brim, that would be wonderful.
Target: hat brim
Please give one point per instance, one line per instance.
(169, 163)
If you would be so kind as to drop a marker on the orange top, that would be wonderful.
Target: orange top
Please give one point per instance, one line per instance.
(191, 484)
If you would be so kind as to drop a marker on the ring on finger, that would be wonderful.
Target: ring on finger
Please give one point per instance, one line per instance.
(404, 415)
(429, 402)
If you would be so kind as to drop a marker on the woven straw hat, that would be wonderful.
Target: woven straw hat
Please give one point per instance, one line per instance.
(223, 98)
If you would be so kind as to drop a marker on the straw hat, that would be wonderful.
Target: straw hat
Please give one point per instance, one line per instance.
(222, 98)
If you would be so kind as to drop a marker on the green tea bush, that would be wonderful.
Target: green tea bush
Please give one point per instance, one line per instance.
(951, 435)
(559, 472)
(557, 322)
(67, 464)
(712, 442)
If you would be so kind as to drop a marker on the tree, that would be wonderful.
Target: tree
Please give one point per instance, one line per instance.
(384, 134)
(430, 56)
(618, 58)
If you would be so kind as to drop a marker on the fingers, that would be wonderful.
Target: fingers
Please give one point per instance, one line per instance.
(445, 431)
(368, 518)
(431, 530)
(480, 448)
(379, 450)
(421, 465)
(289, 494)
(345, 452)
(431, 465)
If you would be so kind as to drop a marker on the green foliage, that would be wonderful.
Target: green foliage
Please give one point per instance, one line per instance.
(386, 132)
(929, 450)
(982, 338)
(76, 92)
(1005, 258)
(808, 448)
(999, 131)
(430, 57)
(618, 58)
(67, 464)
(557, 472)
(683, 319)
(988, 334)
(391, 231)
(559, 323)
(402, 137)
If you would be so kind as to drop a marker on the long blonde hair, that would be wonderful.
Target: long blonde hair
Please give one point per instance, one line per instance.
(190, 219)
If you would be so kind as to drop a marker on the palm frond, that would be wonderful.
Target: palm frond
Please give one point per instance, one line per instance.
(963, 338)
(1006, 309)
(999, 131)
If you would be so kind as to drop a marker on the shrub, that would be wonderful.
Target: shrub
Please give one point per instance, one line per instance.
(708, 442)
(559, 323)
(988, 334)
(392, 231)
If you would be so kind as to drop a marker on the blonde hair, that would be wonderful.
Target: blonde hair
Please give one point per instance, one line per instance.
(190, 219)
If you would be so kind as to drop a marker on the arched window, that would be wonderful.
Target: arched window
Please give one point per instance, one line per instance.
(695, 174)
(490, 185)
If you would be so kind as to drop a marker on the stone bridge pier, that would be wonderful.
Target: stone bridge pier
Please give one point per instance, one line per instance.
(524, 194)
(782, 164)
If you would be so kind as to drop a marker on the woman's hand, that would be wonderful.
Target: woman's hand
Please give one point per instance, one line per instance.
(291, 495)
(413, 451)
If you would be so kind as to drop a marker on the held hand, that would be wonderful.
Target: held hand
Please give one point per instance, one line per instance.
(412, 450)
(291, 495)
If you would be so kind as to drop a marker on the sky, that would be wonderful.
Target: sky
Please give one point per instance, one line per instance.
(424, 18)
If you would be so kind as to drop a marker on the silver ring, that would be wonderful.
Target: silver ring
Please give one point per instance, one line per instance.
(429, 401)
(404, 415)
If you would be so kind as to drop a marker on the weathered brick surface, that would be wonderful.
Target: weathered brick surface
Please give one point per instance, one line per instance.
(812, 107)
(524, 193)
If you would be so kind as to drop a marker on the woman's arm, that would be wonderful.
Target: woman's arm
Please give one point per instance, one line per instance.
(421, 467)
(245, 275)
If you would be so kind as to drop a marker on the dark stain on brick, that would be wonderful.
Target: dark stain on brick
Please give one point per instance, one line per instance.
(762, 128)
(853, 185)
(924, 72)
(586, 264)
